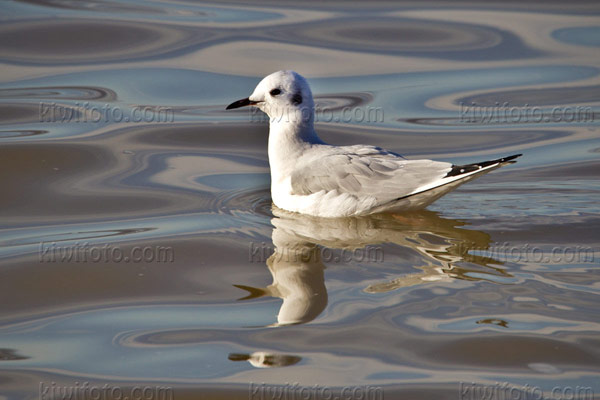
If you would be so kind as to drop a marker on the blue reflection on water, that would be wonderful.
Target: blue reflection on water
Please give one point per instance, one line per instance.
(582, 36)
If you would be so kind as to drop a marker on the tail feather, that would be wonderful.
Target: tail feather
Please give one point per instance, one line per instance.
(254, 293)
(463, 169)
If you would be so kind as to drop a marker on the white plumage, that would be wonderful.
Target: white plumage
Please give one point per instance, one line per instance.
(312, 177)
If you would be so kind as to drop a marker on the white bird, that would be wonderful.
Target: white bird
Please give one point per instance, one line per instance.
(312, 177)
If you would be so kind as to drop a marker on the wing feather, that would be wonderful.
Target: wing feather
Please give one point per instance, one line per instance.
(364, 170)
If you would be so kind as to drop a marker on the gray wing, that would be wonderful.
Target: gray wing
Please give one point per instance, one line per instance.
(365, 170)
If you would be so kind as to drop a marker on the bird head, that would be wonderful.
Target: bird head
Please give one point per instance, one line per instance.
(283, 96)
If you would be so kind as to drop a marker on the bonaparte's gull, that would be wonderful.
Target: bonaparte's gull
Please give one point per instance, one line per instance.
(312, 177)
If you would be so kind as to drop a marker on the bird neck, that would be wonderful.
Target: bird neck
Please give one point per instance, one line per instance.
(287, 141)
(294, 130)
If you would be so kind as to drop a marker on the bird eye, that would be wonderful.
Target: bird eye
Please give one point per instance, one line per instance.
(275, 92)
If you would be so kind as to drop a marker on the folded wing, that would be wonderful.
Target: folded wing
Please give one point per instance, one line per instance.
(387, 177)
(366, 170)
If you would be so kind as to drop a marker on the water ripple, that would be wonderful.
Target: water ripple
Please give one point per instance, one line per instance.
(58, 42)
(20, 133)
(536, 97)
(59, 93)
(71, 236)
(582, 36)
(426, 38)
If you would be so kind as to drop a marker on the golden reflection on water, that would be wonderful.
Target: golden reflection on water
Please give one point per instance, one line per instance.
(297, 264)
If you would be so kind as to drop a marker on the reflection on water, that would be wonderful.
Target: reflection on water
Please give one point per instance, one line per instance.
(261, 359)
(297, 267)
(499, 322)
(436, 304)
(10, 355)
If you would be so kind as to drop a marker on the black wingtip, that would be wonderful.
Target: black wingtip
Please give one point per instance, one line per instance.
(463, 169)
(505, 159)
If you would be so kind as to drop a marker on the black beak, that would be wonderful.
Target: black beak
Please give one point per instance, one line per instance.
(241, 103)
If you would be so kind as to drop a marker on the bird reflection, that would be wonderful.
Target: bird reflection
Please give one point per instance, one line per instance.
(297, 271)
(11, 355)
(297, 264)
(261, 359)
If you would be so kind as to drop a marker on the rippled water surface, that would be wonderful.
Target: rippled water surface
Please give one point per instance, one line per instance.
(139, 247)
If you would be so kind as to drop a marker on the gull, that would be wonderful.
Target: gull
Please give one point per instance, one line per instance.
(309, 176)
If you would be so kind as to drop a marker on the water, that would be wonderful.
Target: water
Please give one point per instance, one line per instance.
(139, 248)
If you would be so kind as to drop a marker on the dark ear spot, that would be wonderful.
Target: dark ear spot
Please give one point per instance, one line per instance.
(297, 98)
